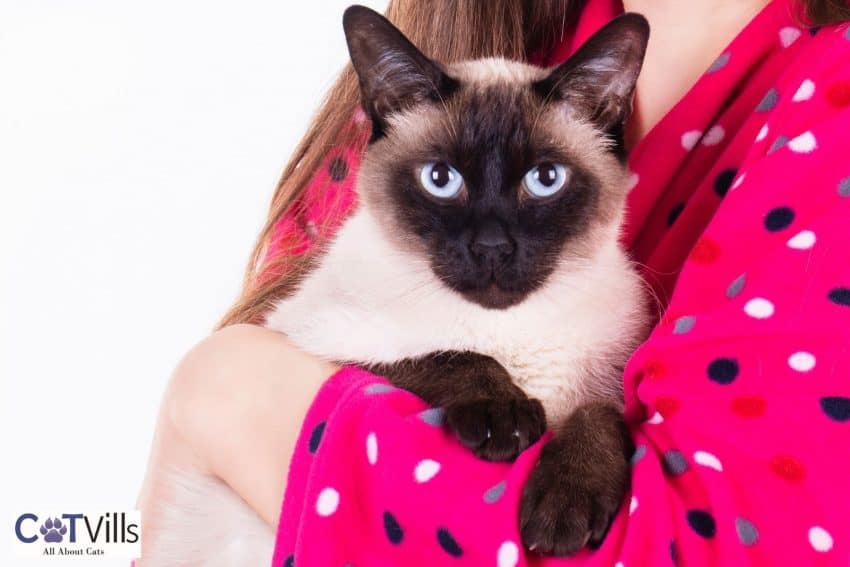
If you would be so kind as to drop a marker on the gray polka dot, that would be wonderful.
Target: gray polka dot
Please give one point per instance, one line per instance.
(747, 532)
(720, 62)
(778, 144)
(847, 33)
(844, 188)
(736, 287)
(769, 101)
(640, 452)
(379, 388)
(675, 462)
(433, 416)
(684, 325)
(495, 493)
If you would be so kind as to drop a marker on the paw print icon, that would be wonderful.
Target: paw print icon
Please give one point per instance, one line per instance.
(53, 530)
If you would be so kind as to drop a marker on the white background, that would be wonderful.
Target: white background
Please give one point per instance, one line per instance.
(140, 143)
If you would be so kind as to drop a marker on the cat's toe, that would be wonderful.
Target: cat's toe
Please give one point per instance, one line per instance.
(497, 429)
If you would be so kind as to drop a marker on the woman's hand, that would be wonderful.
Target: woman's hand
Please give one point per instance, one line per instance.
(233, 410)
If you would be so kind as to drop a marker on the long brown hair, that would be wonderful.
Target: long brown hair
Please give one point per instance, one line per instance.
(446, 30)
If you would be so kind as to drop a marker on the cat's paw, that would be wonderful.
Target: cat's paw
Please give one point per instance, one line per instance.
(576, 489)
(497, 429)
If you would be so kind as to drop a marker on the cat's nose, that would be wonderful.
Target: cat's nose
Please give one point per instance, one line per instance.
(492, 244)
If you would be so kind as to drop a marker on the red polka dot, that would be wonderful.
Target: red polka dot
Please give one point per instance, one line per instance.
(655, 370)
(748, 406)
(788, 468)
(667, 406)
(838, 94)
(706, 251)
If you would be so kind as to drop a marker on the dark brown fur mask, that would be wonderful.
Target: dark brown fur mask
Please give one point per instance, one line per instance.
(495, 171)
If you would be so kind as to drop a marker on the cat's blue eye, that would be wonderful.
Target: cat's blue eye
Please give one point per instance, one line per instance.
(546, 179)
(441, 180)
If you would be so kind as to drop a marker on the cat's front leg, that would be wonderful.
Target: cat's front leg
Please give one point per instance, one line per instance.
(488, 412)
(579, 483)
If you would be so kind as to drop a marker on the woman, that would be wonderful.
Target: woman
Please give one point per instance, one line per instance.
(739, 401)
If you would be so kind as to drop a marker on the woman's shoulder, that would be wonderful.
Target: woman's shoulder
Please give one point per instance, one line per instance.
(817, 80)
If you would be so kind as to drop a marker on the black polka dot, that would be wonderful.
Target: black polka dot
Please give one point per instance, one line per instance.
(338, 168)
(674, 553)
(289, 561)
(840, 296)
(814, 30)
(724, 180)
(836, 407)
(393, 529)
(674, 213)
(723, 370)
(702, 523)
(448, 543)
(778, 219)
(316, 436)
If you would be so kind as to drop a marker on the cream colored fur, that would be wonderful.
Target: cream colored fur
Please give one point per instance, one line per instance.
(205, 523)
(371, 301)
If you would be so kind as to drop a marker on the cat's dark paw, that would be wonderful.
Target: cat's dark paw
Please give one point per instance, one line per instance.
(497, 429)
(576, 489)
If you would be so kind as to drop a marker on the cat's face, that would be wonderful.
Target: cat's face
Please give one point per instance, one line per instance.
(495, 172)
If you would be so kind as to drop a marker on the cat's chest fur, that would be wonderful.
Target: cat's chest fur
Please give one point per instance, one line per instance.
(369, 301)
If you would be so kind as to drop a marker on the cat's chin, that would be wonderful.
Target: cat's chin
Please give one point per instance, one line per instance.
(494, 297)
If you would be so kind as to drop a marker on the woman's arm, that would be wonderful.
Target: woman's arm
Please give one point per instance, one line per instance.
(233, 410)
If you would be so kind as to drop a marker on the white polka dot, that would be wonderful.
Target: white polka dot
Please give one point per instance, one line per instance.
(804, 92)
(632, 181)
(619, 564)
(372, 448)
(820, 539)
(763, 133)
(508, 555)
(714, 136)
(708, 460)
(426, 470)
(633, 505)
(738, 182)
(690, 139)
(759, 308)
(804, 143)
(656, 419)
(802, 240)
(788, 36)
(802, 361)
(328, 502)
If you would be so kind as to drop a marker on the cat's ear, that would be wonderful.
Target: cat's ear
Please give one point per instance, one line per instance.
(598, 81)
(393, 74)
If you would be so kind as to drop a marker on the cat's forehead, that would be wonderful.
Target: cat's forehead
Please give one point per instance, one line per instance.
(496, 72)
(496, 110)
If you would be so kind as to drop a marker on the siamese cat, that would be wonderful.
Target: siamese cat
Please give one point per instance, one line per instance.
(481, 269)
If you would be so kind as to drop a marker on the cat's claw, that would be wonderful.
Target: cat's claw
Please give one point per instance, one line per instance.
(497, 429)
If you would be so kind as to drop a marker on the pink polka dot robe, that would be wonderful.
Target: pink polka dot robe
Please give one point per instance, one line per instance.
(739, 402)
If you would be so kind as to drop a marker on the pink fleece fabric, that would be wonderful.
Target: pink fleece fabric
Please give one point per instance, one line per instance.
(739, 402)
